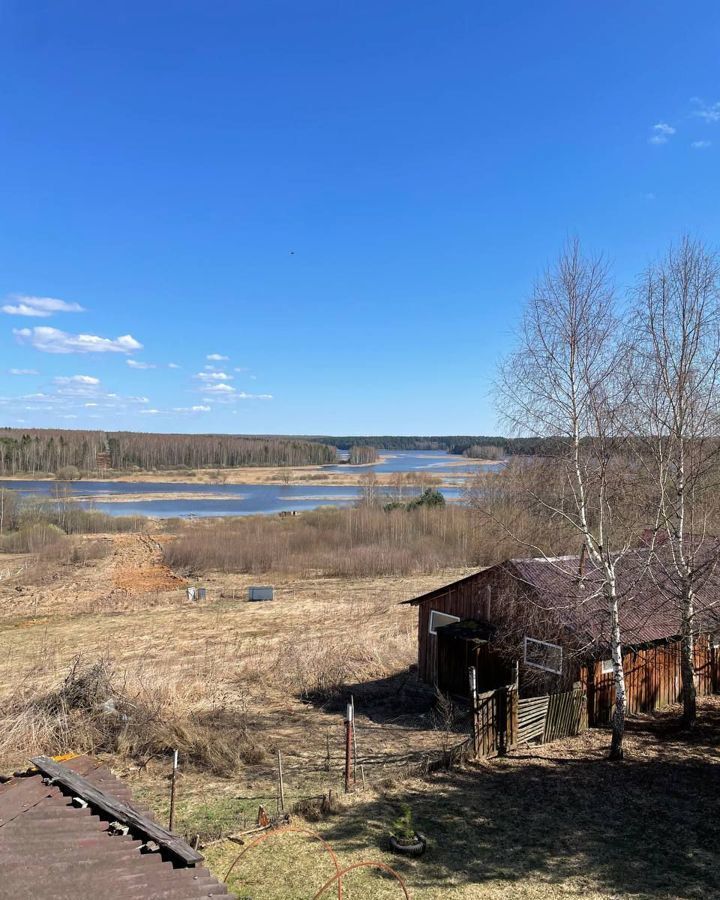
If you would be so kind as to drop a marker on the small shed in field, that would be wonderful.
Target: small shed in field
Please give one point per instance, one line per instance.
(550, 618)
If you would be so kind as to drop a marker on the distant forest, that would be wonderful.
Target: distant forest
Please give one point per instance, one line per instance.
(36, 450)
(50, 450)
(530, 446)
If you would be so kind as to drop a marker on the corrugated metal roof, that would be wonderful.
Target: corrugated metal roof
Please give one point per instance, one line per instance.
(646, 588)
(53, 850)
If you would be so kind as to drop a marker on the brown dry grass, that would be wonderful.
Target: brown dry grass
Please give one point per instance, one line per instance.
(206, 662)
(229, 682)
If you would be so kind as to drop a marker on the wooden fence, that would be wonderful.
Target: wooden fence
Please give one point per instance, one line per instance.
(502, 720)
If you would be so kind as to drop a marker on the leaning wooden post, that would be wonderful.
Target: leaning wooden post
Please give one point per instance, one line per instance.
(348, 745)
(173, 779)
(472, 678)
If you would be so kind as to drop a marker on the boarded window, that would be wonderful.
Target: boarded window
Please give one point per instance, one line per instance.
(542, 655)
(438, 619)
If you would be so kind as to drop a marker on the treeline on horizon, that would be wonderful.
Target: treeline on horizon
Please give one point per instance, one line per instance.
(40, 450)
(519, 446)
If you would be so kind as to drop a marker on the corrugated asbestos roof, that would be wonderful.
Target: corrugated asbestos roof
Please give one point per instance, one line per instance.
(51, 849)
(646, 588)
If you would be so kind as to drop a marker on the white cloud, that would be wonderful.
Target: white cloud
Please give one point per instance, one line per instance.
(23, 372)
(217, 357)
(701, 145)
(136, 364)
(88, 405)
(173, 366)
(52, 340)
(39, 307)
(661, 132)
(220, 388)
(710, 112)
(191, 409)
(149, 412)
(243, 396)
(76, 379)
(213, 376)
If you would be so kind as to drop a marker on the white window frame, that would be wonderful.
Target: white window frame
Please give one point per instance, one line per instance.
(534, 665)
(438, 612)
(607, 667)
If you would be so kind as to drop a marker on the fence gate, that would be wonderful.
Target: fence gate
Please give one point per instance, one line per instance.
(494, 721)
(502, 720)
(532, 716)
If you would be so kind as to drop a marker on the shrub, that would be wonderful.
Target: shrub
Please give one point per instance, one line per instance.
(429, 497)
(68, 473)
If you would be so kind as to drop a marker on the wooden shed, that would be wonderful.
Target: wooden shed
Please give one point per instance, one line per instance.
(548, 617)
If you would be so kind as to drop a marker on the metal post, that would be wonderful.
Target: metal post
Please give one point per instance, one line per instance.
(173, 778)
(472, 678)
(348, 745)
(281, 785)
(354, 737)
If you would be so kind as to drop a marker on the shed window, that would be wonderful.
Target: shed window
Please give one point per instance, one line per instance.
(542, 655)
(606, 667)
(438, 619)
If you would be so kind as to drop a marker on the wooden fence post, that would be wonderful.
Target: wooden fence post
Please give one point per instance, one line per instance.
(502, 718)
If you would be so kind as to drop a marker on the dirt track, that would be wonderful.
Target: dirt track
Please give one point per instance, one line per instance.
(137, 565)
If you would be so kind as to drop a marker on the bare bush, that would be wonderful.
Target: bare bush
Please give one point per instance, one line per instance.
(357, 542)
(97, 709)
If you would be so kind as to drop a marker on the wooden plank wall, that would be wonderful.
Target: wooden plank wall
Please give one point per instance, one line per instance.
(463, 600)
(652, 677)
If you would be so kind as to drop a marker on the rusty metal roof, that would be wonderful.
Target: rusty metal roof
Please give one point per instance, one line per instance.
(572, 597)
(51, 849)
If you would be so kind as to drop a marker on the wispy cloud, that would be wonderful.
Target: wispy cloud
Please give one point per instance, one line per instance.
(217, 357)
(137, 364)
(38, 307)
(24, 372)
(213, 376)
(192, 409)
(661, 132)
(225, 393)
(701, 145)
(76, 379)
(173, 366)
(52, 340)
(710, 112)
(149, 412)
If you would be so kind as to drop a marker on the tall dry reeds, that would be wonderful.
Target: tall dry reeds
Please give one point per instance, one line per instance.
(362, 541)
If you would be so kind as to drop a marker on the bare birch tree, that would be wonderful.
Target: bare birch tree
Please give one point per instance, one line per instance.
(676, 380)
(561, 382)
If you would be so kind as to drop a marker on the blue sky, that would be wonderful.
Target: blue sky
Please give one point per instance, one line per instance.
(324, 217)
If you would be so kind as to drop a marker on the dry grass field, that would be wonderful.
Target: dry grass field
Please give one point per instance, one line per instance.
(100, 650)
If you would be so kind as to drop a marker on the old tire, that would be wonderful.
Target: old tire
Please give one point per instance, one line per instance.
(414, 848)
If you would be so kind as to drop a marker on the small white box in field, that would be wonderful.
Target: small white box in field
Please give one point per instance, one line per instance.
(260, 593)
